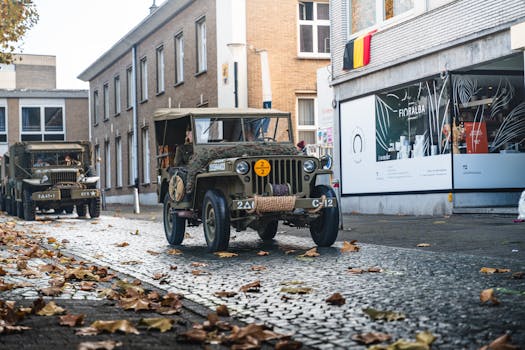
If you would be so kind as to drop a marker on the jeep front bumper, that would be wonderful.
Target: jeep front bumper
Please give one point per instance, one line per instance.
(275, 203)
(55, 195)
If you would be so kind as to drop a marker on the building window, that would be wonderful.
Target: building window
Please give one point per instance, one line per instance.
(105, 96)
(160, 69)
(97, 161)
(3, 126)
(143, 79)
(107, 165)
(179, 58)
(368, 13)
(96, 103)
(49, 128)
(131, 180)
(118, 161)
(116, 83)
(145, 156)
(201, 45)
(129, 87)
(306, 125)
(314, 28)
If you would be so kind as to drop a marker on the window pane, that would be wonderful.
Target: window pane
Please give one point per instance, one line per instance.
(323, 39)
(117, 95)
(95, 107)
(179, 59)
(201, 46)
(307, 136)
(363, 14)
(143, 80)
(397, 7)
(129, 87)
(53, 119)
(31, 119)
(323, 11)
(2, 119)
(160, 69)
(306, 11)
(306, 112)
(306, 39)
(106, 101)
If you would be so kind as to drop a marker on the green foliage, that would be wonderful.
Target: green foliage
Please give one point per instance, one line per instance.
(16, 18)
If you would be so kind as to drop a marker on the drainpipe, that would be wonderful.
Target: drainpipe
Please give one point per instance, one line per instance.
(135, 150)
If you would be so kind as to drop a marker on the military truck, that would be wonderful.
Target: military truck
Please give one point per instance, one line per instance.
(49, 175)
(239, 168)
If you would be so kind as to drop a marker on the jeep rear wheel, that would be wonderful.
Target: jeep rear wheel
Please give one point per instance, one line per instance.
(20, 209)
(324, 229)
(69, 209)
(216, 220)
(94, 207)
(267, 230)
(81, 210)
(174, 226)
(29, 206)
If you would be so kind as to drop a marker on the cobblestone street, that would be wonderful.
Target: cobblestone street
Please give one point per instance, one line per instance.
(436, 291)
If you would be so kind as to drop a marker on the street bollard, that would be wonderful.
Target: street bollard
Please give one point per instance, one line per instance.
(337, 188)
(136, 209)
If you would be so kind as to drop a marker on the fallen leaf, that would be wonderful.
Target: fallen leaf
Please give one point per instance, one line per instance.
(263, 253)
(312, 253)
(374, 269)
(383, 315)
(64, 241)
(350, 247)
(253, 287)
(193, 336)
(258, 268)
(355, 271)
(51, 291)
(159, 275)
(50, 309)
(123, 326)
(174, 252)
(491, 270)
(225, 294)
(371, 338)
(222, 310)
(87, 331)
(336, 299)
(488, 295)
(423, 245)
(6, 328)
(2, 271)
(198, 264)
(199, 272)
(136, 304)
(288, 345)
(51, 240)
(425, 337)
(296, 290)
(501, 343)
(225, 254)
(87, 286)
(131, 262)
(518, 275)
(99, 345)
(160, 323)
(152, 252)
(173, 267)
(291, 251)
(121, 245)
(72, 320)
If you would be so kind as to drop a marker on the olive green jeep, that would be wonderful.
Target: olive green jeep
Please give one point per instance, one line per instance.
(49, 175)
(239, 168)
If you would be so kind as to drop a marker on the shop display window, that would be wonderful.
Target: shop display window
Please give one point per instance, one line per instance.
(414, 122)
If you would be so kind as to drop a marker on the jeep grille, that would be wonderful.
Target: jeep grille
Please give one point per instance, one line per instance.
(282, 171)
(63, 176)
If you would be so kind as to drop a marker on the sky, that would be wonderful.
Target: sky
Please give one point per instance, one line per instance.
(78, 32)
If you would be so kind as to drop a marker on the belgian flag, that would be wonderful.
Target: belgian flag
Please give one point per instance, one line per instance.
(357, 52)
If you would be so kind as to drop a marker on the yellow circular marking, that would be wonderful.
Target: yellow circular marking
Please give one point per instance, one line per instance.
(262, 167)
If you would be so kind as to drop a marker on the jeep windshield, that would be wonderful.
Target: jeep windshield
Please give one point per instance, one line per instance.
(54, 158)
(240, 129)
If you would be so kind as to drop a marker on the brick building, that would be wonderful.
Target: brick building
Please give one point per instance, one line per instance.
(32, 109)
(434, 122)
(194, 53)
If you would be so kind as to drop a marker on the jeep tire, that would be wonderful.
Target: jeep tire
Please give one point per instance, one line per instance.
(324, 229)
(81, 210)
(94, 207)
(267, 230)
(174, 226)
(19, 209)
(216, 220)
(29, 206)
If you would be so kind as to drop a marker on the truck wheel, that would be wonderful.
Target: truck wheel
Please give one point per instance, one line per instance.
(324, 229)
(174, 226)
(268, 230)
(20, 209)
(216, 220)
(94, 207)
(8, 206)
(81, 210)
(2, 202)
(69, 209)
(29, 207)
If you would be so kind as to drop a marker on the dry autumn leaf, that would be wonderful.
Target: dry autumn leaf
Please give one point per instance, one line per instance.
(193, 336)
(296, 290)
(198, 264)
(263, 253)
(501, 343)
(423, 245)
(225, 294)
(50, 309)
(491, 270)
(350, 246)
(174, 252)
(258, 268)
(311, 253)
(222, 310)
(253, 287)
(136, 304)
(122, 244)
(160, 323)
(225, 254)
(488, 295)
(87, 331)
(383, 315)
(123, 326)
(355, 270)
(336, 299)
(131, 262)
(371, 338)
(288, 345)
(72, 320)
(99, 345)
(51, 291)
(152, 252)
(199, 272)
(159, 276)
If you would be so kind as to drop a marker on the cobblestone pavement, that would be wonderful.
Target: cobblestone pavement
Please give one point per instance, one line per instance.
(437, 291)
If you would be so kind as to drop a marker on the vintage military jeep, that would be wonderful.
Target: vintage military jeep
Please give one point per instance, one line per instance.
(49, 175)
(239, 167)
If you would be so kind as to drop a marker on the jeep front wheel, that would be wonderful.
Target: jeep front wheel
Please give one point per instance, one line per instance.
(81, 210)
(267, 230)
(94, 207)
(29, 207)
(324, 229)
(216, 220)
(174, 226)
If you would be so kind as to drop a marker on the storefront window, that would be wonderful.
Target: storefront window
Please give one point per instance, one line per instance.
(413, 122)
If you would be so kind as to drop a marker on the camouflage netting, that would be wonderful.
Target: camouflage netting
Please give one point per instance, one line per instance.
(200, 159)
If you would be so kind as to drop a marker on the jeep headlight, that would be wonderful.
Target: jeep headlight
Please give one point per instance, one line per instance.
(309, 166)
(242, 167)
(326, 162)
